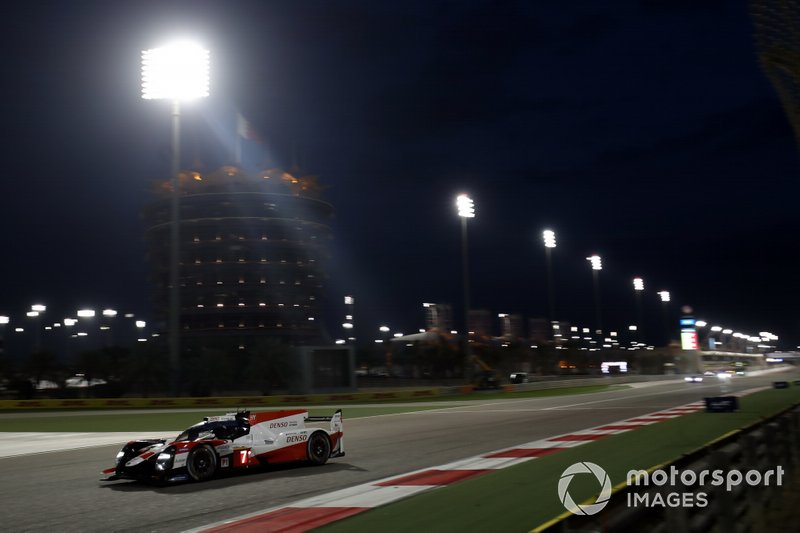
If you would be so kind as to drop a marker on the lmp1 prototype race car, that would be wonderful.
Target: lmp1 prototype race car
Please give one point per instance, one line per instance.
(233, 441)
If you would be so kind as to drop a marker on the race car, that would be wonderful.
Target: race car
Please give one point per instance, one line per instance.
(233, 441)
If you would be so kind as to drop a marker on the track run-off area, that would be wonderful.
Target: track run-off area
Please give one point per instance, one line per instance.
(54, 483)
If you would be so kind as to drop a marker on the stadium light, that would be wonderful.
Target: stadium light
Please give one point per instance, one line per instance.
(466, 210)
(597, 263)
(465, 205)
(597, 266)
(177, 72)
(549, 238)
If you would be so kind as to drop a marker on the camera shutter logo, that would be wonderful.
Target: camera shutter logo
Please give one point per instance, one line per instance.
(584, 468)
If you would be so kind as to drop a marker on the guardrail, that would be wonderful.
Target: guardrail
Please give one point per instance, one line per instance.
(763, 446)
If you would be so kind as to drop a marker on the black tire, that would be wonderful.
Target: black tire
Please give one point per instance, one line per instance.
(319, 448)
(202, 463)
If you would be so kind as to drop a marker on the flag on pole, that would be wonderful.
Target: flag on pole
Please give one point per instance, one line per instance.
(244, 129)
(244, 132)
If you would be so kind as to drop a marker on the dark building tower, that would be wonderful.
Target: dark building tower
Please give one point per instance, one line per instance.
(252, 253)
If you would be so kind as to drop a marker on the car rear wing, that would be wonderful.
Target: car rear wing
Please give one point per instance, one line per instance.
(335, 420)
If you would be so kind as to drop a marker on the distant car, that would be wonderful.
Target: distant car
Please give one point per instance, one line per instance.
(709, 373)
(740, 372)
(230, 442)
(693, 379)
(518, 377)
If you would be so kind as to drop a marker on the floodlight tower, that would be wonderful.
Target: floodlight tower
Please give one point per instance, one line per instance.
(549, 237)
(466, 210)
(638, 288)
(177, 72)
(597, 266)
(665, 298)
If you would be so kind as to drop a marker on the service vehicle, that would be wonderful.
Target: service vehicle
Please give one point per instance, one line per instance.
(230, 442)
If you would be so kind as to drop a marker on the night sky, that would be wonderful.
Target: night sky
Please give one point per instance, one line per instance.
(643, 131)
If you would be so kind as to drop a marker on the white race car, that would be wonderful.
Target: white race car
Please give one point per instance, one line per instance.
(232, 441)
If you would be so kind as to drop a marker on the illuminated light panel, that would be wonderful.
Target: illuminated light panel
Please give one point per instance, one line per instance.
(178, 71)
(465, 205)
(549, 237)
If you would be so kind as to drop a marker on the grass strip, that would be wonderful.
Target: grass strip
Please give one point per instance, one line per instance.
(541, 393)
(277, 402)
(163, 421)
(521, 497)
(157, 420)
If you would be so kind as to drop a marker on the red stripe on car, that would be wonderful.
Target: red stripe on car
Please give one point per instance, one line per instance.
(257, 418)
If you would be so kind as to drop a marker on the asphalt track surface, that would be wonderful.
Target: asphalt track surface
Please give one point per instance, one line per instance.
(61, 491)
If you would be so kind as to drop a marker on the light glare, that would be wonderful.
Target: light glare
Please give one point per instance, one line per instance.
(179, 71)
(549, 238)
(465, 205)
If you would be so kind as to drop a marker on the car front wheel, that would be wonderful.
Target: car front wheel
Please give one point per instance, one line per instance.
(201, 463)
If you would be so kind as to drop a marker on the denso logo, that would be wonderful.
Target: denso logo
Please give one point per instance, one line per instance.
(278, 425)
(296, 438)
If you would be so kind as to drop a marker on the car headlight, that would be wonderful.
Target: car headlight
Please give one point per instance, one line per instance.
(164, 459)
(120, 455)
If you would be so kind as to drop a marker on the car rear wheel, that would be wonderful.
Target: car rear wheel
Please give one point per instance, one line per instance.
(201, 463)
(319, 448)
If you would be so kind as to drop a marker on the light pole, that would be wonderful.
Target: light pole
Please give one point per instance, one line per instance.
(549, 237)
(349, 302)
(638, 288)
(68, 323)
(466, 210)
(4, 320)
(109, 314)
(177, 72)
(726, 342)
(597, 266)
(386, 348)
(665, 298)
